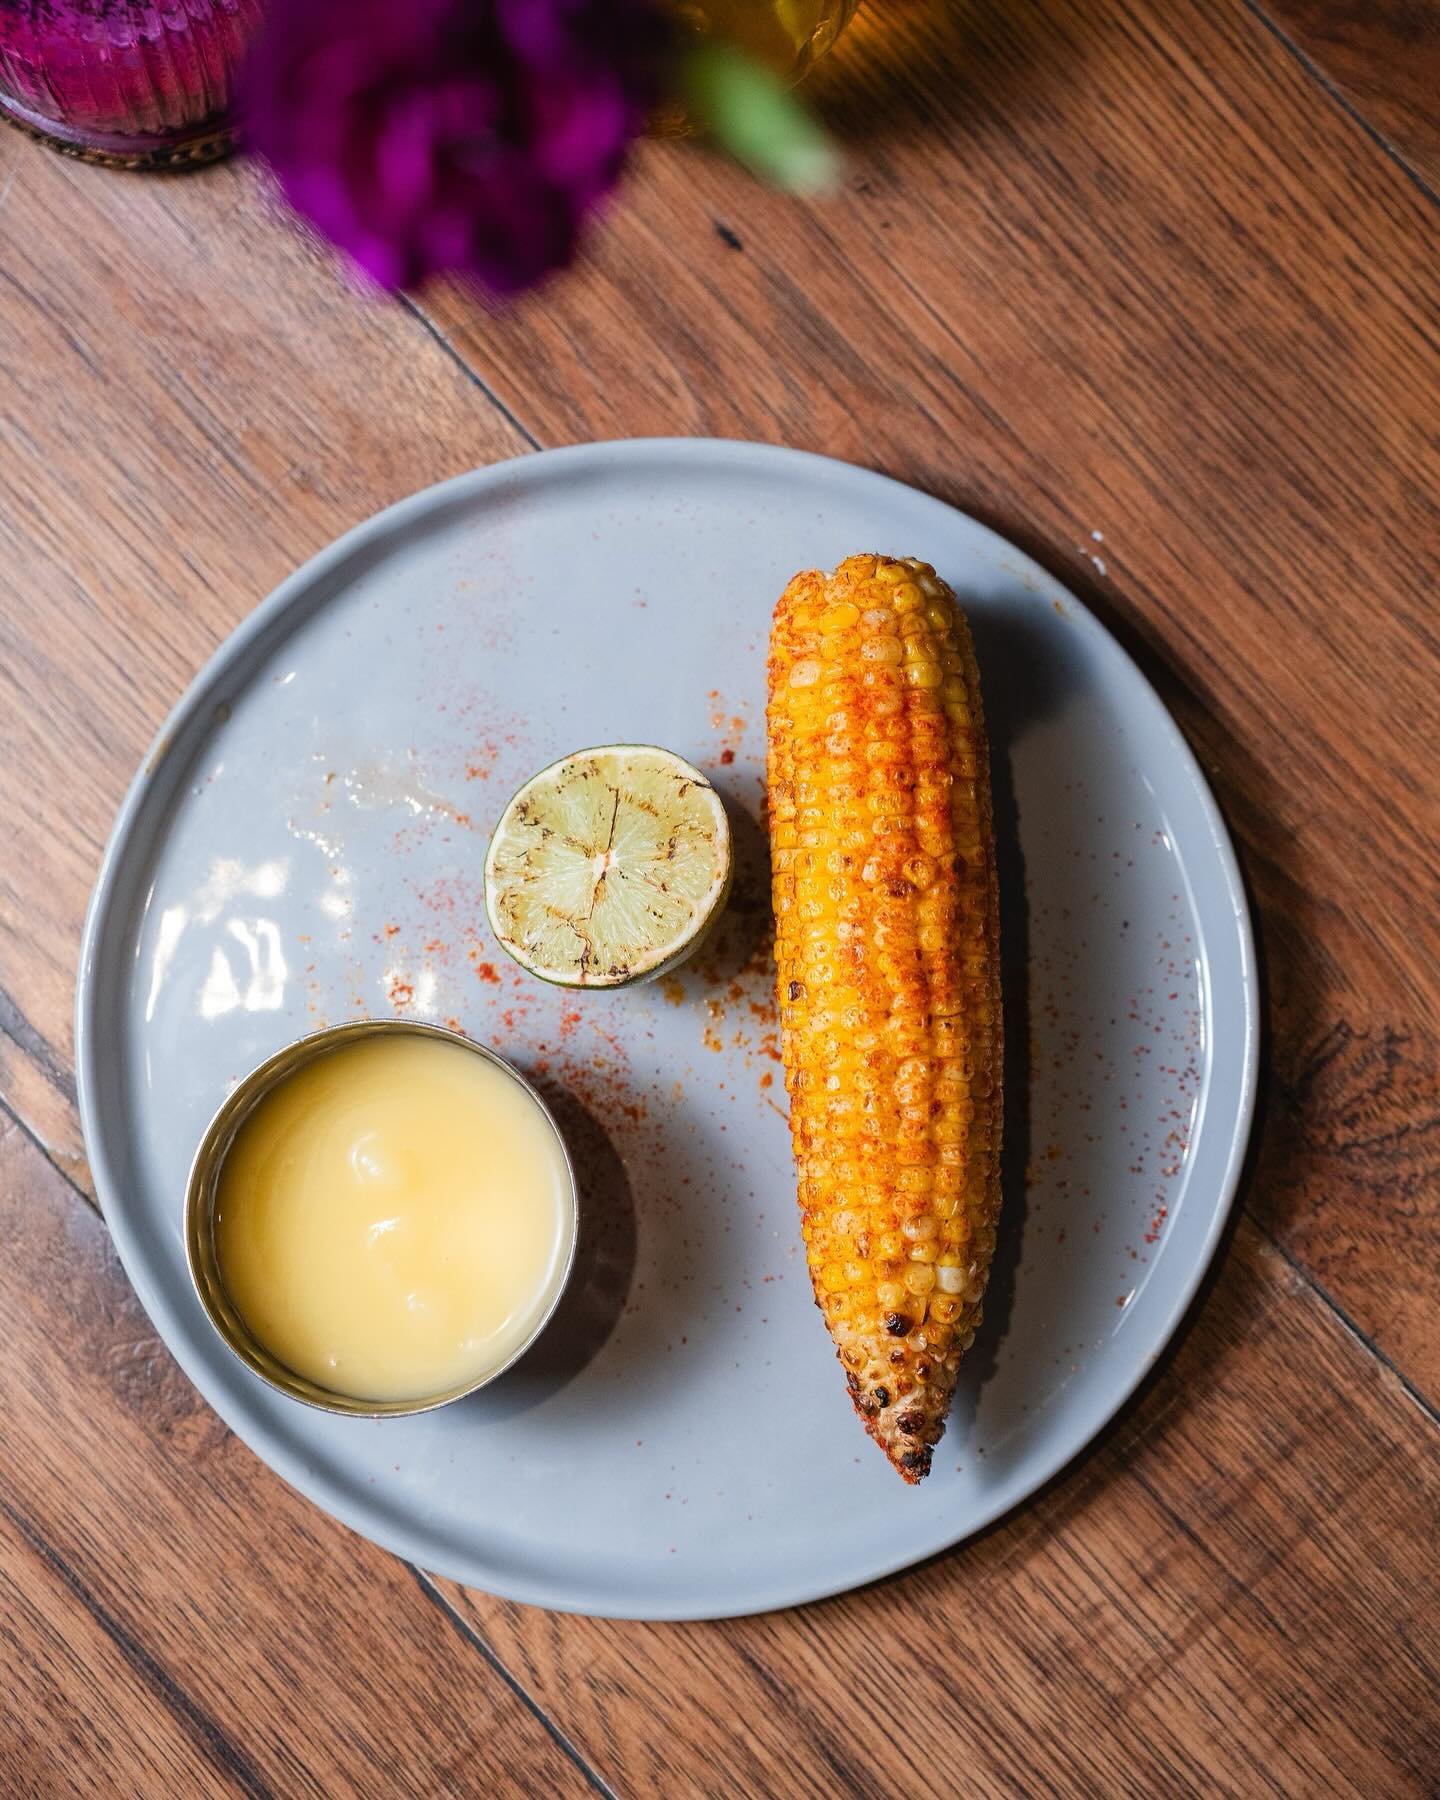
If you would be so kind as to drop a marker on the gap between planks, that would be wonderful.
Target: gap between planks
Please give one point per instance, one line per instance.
(471, 1635)
(1342, 100)
(422, 318)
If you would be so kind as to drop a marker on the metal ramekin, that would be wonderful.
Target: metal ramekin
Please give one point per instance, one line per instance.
(200, 1216)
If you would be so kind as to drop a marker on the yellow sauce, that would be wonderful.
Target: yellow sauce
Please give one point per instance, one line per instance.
(394, 1218)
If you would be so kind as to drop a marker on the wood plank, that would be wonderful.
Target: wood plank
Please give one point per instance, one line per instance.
(53, 1648)
(1383, 58)
(177, 1620)
(1111, 268)
(1123, 271)
(192, 401)
(1233, 1596)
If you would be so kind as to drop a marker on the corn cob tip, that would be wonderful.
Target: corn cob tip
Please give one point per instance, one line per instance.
(887, 954)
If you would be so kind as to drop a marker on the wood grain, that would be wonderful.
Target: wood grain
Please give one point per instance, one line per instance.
(1136, 274)
(1383, 57)
(175, 1619)
(1177, 1616)
(1125, 269)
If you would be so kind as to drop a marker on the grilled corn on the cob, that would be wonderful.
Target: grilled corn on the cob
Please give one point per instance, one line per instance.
(887, 945)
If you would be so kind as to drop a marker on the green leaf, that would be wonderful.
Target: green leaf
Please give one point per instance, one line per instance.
(750, 111)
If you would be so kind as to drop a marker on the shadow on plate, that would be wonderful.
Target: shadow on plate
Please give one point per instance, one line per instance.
(743, 938)
(600, 1282)
(1019, 687)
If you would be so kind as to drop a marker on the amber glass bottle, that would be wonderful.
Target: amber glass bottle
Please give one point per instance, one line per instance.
(787, 34)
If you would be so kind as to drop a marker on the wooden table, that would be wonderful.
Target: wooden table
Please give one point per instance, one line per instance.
(1161, 271)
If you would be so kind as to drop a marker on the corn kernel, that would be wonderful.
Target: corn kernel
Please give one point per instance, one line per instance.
(886, 949)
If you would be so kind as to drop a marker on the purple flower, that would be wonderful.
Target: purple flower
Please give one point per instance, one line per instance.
(429, 137)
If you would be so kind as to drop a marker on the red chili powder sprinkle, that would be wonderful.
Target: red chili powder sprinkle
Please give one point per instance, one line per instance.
(488, 972)
(727, 757)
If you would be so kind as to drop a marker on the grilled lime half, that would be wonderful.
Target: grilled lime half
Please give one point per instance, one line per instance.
(609, 866)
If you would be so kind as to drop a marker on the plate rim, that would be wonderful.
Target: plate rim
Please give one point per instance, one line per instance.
(373, 1522)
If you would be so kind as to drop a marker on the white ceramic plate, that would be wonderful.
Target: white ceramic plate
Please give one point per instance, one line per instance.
(306, 843)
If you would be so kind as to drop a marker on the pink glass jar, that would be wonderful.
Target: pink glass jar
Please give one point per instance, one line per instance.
(130, 82)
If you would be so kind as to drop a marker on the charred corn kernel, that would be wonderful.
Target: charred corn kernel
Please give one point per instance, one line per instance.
(887, 945)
